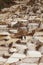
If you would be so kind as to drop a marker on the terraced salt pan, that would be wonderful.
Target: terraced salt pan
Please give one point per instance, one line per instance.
(21, 47)
(32, 57)
(4, 33)
(33, 54)
(2, 59)
(12, 60)
(18, 55)
(28, 64)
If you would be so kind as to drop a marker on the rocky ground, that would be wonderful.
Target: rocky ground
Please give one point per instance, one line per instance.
(23, 8)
